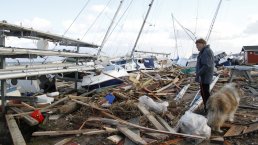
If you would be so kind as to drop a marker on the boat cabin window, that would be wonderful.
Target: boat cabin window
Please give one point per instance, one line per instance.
(119, 62)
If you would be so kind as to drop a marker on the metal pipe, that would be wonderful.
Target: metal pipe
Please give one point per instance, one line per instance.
(37, 72)
(24, 51)
(3, 71)
(3, 81)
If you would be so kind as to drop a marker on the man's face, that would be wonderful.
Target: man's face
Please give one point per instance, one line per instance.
(200, 46)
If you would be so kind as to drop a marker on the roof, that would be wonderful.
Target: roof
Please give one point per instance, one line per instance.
(30, 33)
(250, 48)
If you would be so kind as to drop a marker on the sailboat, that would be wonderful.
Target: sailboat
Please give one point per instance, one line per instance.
(111, 73)
(135, 63)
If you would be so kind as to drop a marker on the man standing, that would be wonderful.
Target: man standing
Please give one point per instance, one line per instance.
(204, 69)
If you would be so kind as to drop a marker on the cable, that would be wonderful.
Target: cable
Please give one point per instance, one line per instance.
(76, 17)
(120, 18)
(185, 29)
(96, 19)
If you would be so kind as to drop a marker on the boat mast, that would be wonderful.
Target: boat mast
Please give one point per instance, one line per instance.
(213, 21)
(141, 28)
(109, 28)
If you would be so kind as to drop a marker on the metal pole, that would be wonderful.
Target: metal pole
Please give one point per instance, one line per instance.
(76, 73)
(109, 28)
(3, 82)
(135, 44)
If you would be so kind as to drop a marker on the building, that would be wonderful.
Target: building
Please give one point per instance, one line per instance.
(250, 54)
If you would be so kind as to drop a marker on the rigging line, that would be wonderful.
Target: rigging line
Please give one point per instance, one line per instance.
(185, 29)
(196, 19)
(126, 10)
(45, 59)
(96, 19)
(213, 21)
(76, 17)
(175, 35)
(109, 28)
(120, 18)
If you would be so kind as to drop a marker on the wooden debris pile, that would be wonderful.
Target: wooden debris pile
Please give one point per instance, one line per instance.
(91, 118)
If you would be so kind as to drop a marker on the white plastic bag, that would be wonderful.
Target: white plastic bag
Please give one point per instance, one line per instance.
(194, 124)
(44, 99)
(152, 105)
(53, 94)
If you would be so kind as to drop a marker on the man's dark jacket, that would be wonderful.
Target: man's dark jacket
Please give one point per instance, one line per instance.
(205, 66)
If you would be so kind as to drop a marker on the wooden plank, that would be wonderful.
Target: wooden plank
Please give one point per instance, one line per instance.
(14, 131)
(89, 105)
(252, 90)
(64, 141)
(150, 117)
(72, 132)
(128, 124)
(156, 136)
(115, 138)
(27, 118)
(235, 130)
(167, 86)
(131, 135)
(68, 107)
(88, 93)
(251, 128)
(148, 75)
(217, 140)
(181, 93)
(165, 124)
(135, 130)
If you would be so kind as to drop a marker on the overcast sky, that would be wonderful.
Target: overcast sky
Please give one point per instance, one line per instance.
(236, 24)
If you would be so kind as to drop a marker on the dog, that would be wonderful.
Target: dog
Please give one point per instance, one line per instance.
(222, 105)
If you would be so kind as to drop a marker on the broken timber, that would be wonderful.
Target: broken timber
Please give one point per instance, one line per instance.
(169, 85)
(131, 135)
(125, 123)
(27, 118)
(15, 131)
(135, 130)
(165, 124)
(181, 93)
(240, 130)
(71, 132)
(150, 117)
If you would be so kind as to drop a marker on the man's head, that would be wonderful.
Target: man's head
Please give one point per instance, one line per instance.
(200, 44)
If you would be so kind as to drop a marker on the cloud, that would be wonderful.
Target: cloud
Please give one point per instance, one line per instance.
(252, 28)
(36, 23)
(99, 8)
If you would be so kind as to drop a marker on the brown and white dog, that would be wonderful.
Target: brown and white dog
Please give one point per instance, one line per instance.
(222, 105)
